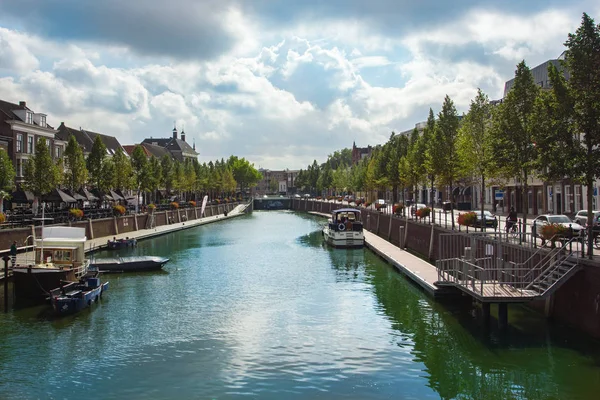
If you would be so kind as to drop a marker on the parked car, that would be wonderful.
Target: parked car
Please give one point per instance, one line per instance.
(417, 206)
(380, 201)
(490, 219)
(582, 217)
(563, 220)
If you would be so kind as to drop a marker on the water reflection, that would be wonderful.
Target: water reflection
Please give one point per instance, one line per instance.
(259, 307)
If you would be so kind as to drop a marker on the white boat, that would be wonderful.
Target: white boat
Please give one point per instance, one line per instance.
(344, 229)
(59, 255)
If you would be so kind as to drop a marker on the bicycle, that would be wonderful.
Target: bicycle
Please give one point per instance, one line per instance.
(512, 229)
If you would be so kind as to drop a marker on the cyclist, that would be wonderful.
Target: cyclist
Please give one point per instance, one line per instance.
(511, 220)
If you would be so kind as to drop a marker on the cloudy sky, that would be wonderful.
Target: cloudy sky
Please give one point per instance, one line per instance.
(278, 82)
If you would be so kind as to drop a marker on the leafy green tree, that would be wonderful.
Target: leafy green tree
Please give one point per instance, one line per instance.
(358, 175)
(7, 177)
(445, 142)
(513, 132)
(313, 176)
(107, 177)
(166, 163)
(178, 177)
(141, 171)
(75, 170)
(433, 156)
(95, 161)
(155, 176)
(40, 175)
(474, 144)
(325, 180)
(123, 170)
(413, 165)
(341, 179)
(398, 148)
(273, 185)
(244, 173)
(300, 182)
(579, 107)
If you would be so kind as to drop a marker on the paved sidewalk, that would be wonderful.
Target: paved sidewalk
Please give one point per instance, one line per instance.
(101, 242)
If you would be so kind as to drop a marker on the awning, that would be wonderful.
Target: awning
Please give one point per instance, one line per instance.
(462, 191)
(76, 195)
(115, 195)
(89, 196)
(58, 196)
(22, 196)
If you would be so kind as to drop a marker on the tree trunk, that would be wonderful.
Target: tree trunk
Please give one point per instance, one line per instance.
(525, 202)
(589, 182)
(452, 205)
(394, 194)
(432, 200)
(481, 200)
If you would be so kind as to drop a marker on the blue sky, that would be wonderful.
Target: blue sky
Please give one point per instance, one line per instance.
(278, 82)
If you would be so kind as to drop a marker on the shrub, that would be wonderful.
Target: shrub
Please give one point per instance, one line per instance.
(119, 210)
(2, 218)
(549, 231)
(151, 206)
(174, 205)
(76, 212)
(398, 207)
(192, 203)
(467, 219)
(423, 212)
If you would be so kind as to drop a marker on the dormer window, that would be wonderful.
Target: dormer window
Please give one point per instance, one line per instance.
(43, 121)
(29, 117)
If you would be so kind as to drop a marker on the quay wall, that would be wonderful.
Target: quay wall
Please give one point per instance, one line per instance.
(107, 227)
(575, 303)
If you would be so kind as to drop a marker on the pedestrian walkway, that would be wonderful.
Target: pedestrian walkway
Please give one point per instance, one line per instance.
(102, 242)
(418, 270)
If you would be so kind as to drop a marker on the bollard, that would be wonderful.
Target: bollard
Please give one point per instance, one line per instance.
(570, 237)
(534, 234)
(520, 230)
(6, 259)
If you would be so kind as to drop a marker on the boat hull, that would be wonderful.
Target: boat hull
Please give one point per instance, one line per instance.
(77, 299)
(32, 285)
(121, 244)
(130, 264)
(346, 239)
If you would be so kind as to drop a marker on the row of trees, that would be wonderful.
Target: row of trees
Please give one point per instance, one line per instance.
(139, 172)
(551, 134)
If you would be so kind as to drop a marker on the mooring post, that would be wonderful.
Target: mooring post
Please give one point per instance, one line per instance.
(6, 258)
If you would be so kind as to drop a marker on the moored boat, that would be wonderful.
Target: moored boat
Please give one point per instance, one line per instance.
(129, 264)
(58, 256)
(344, 229)
(116, 244)
(71, 297)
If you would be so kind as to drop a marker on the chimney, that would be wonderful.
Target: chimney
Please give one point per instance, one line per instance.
(22, 104)
(182, 135)
(174, 132)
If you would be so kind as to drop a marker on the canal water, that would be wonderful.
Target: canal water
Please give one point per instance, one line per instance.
(257, 307)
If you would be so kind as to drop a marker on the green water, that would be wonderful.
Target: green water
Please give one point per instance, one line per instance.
(257, 307)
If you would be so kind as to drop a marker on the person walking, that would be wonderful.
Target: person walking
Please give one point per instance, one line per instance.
(13, 253)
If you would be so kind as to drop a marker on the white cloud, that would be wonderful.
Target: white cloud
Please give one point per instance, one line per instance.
(280, 98)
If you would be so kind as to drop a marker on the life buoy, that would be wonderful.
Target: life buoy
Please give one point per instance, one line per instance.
(341, 227)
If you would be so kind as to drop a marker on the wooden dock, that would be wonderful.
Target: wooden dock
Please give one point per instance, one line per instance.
(101, 242)
(418, 270)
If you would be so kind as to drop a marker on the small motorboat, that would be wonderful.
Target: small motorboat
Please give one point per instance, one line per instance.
(344, 229)
(129, 264)
(72, 297)
(116, 244)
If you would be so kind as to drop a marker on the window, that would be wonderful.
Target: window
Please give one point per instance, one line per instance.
(568, 197)
(29, 117)
(19, 168)
(56, 151)
(19, 143)
(43, 121)
(30, 144)
(577, 197)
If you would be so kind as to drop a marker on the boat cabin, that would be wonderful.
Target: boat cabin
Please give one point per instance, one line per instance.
(346, 219)
(61, 246)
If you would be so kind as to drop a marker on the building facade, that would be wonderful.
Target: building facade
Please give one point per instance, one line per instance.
(178, 148)
(20, 130)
